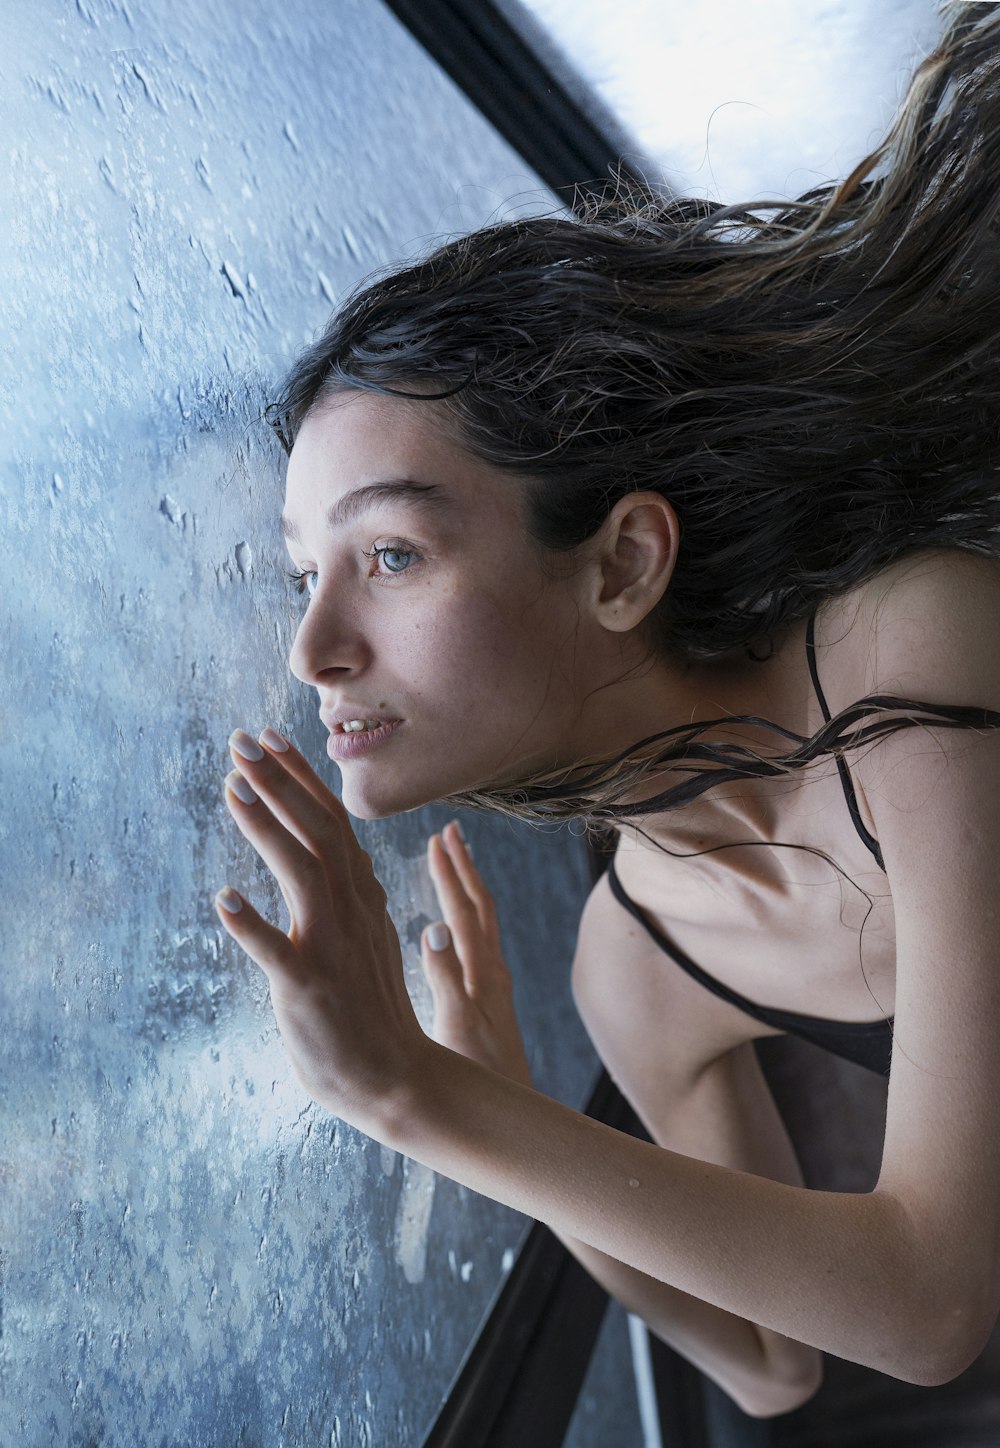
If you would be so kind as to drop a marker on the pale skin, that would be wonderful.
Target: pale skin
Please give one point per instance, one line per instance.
(708, 1232)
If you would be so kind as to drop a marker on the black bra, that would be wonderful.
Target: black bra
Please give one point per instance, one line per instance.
(868, 1043)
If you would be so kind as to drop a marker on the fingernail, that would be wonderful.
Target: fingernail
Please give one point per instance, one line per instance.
(461, 835)
(244, 745)
(240, 788)
(439, 937)
(273, 740)
(229, 900)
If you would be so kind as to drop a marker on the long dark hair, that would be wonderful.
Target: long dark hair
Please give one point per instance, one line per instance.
(811, 383)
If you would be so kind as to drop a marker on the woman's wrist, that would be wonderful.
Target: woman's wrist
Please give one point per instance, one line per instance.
(394, 1112)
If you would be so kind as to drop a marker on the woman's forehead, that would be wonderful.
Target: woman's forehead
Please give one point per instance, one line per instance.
(365, 439)
(356, 424)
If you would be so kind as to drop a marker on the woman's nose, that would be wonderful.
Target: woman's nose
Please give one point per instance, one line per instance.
(324, 640)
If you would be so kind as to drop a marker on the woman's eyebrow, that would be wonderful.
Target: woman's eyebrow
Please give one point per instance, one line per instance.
(429, 496)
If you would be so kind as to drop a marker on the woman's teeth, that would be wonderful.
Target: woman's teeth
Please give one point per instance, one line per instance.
(354, 726)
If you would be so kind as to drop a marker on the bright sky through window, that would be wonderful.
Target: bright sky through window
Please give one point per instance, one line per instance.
(738, 99)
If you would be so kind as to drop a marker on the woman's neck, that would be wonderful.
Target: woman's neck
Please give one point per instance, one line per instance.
(664, 696)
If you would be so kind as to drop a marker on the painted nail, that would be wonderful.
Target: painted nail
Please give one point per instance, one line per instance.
(240, 788)
(438, 937)
(244, 745)
(465, 844)
(273, 740)
(229, 900)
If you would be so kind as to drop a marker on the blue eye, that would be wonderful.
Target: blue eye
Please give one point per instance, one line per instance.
(307, 580)
(393, 550)
(300, 581)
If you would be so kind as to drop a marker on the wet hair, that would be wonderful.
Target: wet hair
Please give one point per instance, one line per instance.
(811, 383)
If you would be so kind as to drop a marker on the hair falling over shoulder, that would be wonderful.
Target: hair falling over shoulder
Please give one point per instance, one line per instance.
(812, 383)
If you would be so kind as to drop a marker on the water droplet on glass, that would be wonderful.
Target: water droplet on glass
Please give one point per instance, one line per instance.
(232, 277)
(144, 81)
(352, 242)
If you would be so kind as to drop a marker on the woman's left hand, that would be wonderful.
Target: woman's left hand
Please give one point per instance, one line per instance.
(336, 977)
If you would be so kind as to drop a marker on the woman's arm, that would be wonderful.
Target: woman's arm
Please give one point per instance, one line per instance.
(842, 1273)
(764, 1373)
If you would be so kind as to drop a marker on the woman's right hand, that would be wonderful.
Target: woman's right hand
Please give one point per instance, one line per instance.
(470, 984)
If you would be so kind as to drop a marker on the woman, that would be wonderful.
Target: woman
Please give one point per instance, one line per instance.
(680, 520)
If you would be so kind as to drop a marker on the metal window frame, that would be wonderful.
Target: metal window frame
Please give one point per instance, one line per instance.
(567, 143)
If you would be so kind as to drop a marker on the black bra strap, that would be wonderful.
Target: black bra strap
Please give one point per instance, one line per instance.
(832, 1035)
(845, 777)
(683, 960)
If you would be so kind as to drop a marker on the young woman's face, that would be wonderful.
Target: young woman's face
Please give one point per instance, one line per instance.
(428, 605)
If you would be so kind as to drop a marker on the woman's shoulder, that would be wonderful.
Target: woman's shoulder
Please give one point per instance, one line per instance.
(929, 620)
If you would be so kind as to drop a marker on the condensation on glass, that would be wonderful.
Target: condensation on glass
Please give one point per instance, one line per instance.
(192, 1252)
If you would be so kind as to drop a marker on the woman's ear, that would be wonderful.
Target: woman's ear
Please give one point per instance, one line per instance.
(634, 554)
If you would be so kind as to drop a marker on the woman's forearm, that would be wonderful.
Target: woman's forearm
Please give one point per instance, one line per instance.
(838, 1272)
(762, 1371)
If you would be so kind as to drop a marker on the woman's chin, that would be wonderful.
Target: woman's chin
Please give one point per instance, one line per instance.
(368, 809)
(382, 801)
(369, 792)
